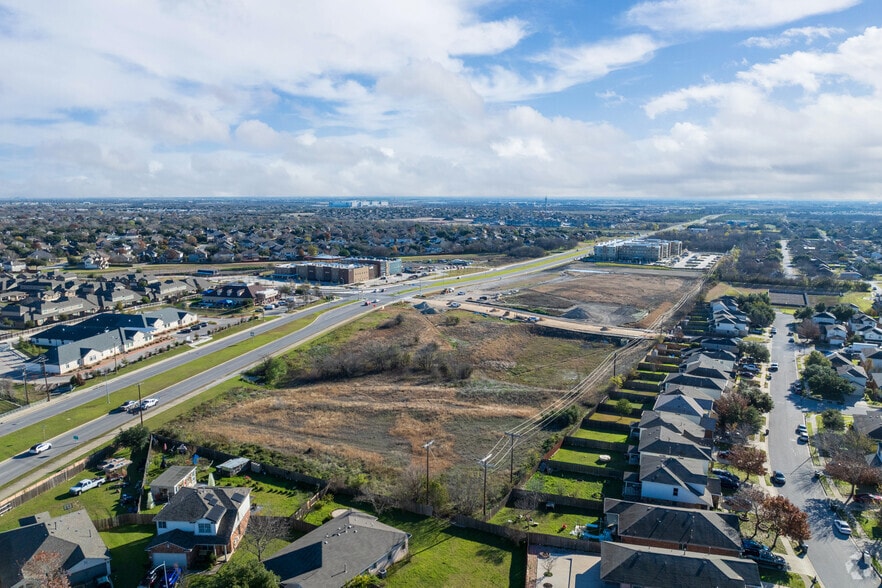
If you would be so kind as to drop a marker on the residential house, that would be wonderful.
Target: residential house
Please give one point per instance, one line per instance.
(677, 480)
(79, 548)
(669, 527)
(729, 344)
(860, 321)
(686, 407)
(704, 397)
(824, 318)
(351, 544)
(870, 334)
(171, 481)
(199, 524)
(239, 293)
(630, 566)
(869, 424)
(714, 385)
(834, 335)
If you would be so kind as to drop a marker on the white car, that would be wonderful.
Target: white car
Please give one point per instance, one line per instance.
(129, 405)
(40, 448)
(842, 527)
(773, 366)
(149, 403)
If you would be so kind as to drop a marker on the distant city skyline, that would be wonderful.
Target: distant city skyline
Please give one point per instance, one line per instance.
(380, 99)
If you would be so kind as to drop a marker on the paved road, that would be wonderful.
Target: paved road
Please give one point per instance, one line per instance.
(836, 558)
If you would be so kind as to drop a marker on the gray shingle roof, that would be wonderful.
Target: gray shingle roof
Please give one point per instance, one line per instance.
(336, 552)
(192, 504)
(688, 528)
(172, 476)
(644, 566)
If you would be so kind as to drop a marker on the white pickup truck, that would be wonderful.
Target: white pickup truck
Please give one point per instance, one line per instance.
(86, 484)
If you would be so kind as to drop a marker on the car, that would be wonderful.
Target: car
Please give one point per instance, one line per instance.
(724, 454)
(149, 403)
(868, 498)
(203, 324)
(729, 483)
(40, 448)
(790, 340)
(773, 366)
(129, 405)
(842, 527)
(185, 331)
(724, 473)
(801, 429)
(778, 478)
(366, 303)
(754, 545)
(766, 559)
(774, 331)
(460, 293)
(84, 485)
(802, 438)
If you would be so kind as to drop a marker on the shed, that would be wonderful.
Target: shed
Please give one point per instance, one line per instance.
(232, 467)
(171, 481)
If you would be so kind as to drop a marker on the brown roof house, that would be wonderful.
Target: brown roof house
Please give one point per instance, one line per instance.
(71, 539)
(200, 524)
(171, 481)
(351, 544)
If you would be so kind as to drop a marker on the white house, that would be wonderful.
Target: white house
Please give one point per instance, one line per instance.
(677, 479)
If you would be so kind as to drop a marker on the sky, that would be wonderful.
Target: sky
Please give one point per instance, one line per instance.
(696, 99)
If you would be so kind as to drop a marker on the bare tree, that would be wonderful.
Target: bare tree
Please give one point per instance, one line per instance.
(261, 531)
(807, 329)
(847, 459)
(46, 567)
(750, 499)
(548, 563)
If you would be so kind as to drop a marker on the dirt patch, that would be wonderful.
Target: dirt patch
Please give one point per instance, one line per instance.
(616, 298)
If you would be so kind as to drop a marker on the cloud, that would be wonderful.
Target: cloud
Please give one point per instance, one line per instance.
(807, 34)
(566, 67)
(727, 15)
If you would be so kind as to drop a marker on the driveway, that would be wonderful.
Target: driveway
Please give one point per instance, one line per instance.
(836, 559)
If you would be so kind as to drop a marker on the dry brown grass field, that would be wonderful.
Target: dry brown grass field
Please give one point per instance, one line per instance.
(380, 421)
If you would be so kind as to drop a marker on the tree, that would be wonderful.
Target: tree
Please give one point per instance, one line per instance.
(833, 420)
(748, 459)
(804, 313)
(754, 349)
(750, 499)
(261, 531)
(817, 358)
(847, 459)
(237, 573)
(826, 382)
(807, 329)
(623, 406)
(47, 569)
(756, 398)
(784, 518)
(734, 410)
(135, 437)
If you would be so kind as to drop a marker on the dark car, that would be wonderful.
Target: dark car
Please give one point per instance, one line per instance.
(778, 478)
(754, 545)
(766, 559)
(868, 498)
(729, 483)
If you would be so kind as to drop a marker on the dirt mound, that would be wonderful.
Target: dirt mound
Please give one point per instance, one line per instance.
(578, 313)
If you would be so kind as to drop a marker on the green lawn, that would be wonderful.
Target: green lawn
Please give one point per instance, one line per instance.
(550, 522)
(127, 552)
(100, 503)
(599, 435)
(591, 457)
(611, 418)
(575, 485)
(16, 443)
(781, 578)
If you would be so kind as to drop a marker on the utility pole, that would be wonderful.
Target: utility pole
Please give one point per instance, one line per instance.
(485, 462)
(511, 436)
(140, 409)
(426, 446)
(42, 361)
(24, 374)
(106, 393)
(615, 362)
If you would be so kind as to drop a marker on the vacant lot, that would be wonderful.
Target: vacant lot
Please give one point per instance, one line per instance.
(608, 296)
(378, 422)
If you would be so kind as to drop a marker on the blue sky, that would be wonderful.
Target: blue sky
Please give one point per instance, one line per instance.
(568, 98)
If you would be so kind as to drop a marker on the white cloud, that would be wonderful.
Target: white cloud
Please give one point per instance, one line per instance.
(726, 15)
(807, 34)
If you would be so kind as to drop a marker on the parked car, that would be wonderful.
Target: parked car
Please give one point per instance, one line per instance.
(40, 448)
(729, 483)
(754, 545)
(803, 438)
(778, 478)
(774, 331)
(84, 485)
(149, 403)
(841, 527)
(767, 559)
(129, 405)
(773, 366)
(801, 429)
(723, 454)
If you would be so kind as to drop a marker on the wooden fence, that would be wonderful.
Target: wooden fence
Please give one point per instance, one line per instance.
(122, 520)
(578, 468)
(633, 395)
(62, 476)
(595, 444)
(518, 495)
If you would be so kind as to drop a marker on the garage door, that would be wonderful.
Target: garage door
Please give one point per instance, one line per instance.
(170, 559)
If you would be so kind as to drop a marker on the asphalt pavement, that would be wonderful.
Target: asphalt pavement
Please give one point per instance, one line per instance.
(837, 559)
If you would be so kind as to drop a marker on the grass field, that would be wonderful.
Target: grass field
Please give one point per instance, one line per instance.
(575, 485)
(618, 460)
(127, 552)
(599, 435)
(544, 521)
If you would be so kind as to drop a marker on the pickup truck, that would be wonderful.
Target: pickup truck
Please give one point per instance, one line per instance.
(86, 484)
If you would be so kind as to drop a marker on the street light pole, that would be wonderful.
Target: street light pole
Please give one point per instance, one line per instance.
(106, 393)
(484, 462)
(426, 447)
(45, 379)
(140, 408)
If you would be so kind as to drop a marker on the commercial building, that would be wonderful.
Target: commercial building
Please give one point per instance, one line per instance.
(637, 250)
(325, 272)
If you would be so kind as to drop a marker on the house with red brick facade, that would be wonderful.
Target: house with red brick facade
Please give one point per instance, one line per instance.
(198, 523)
